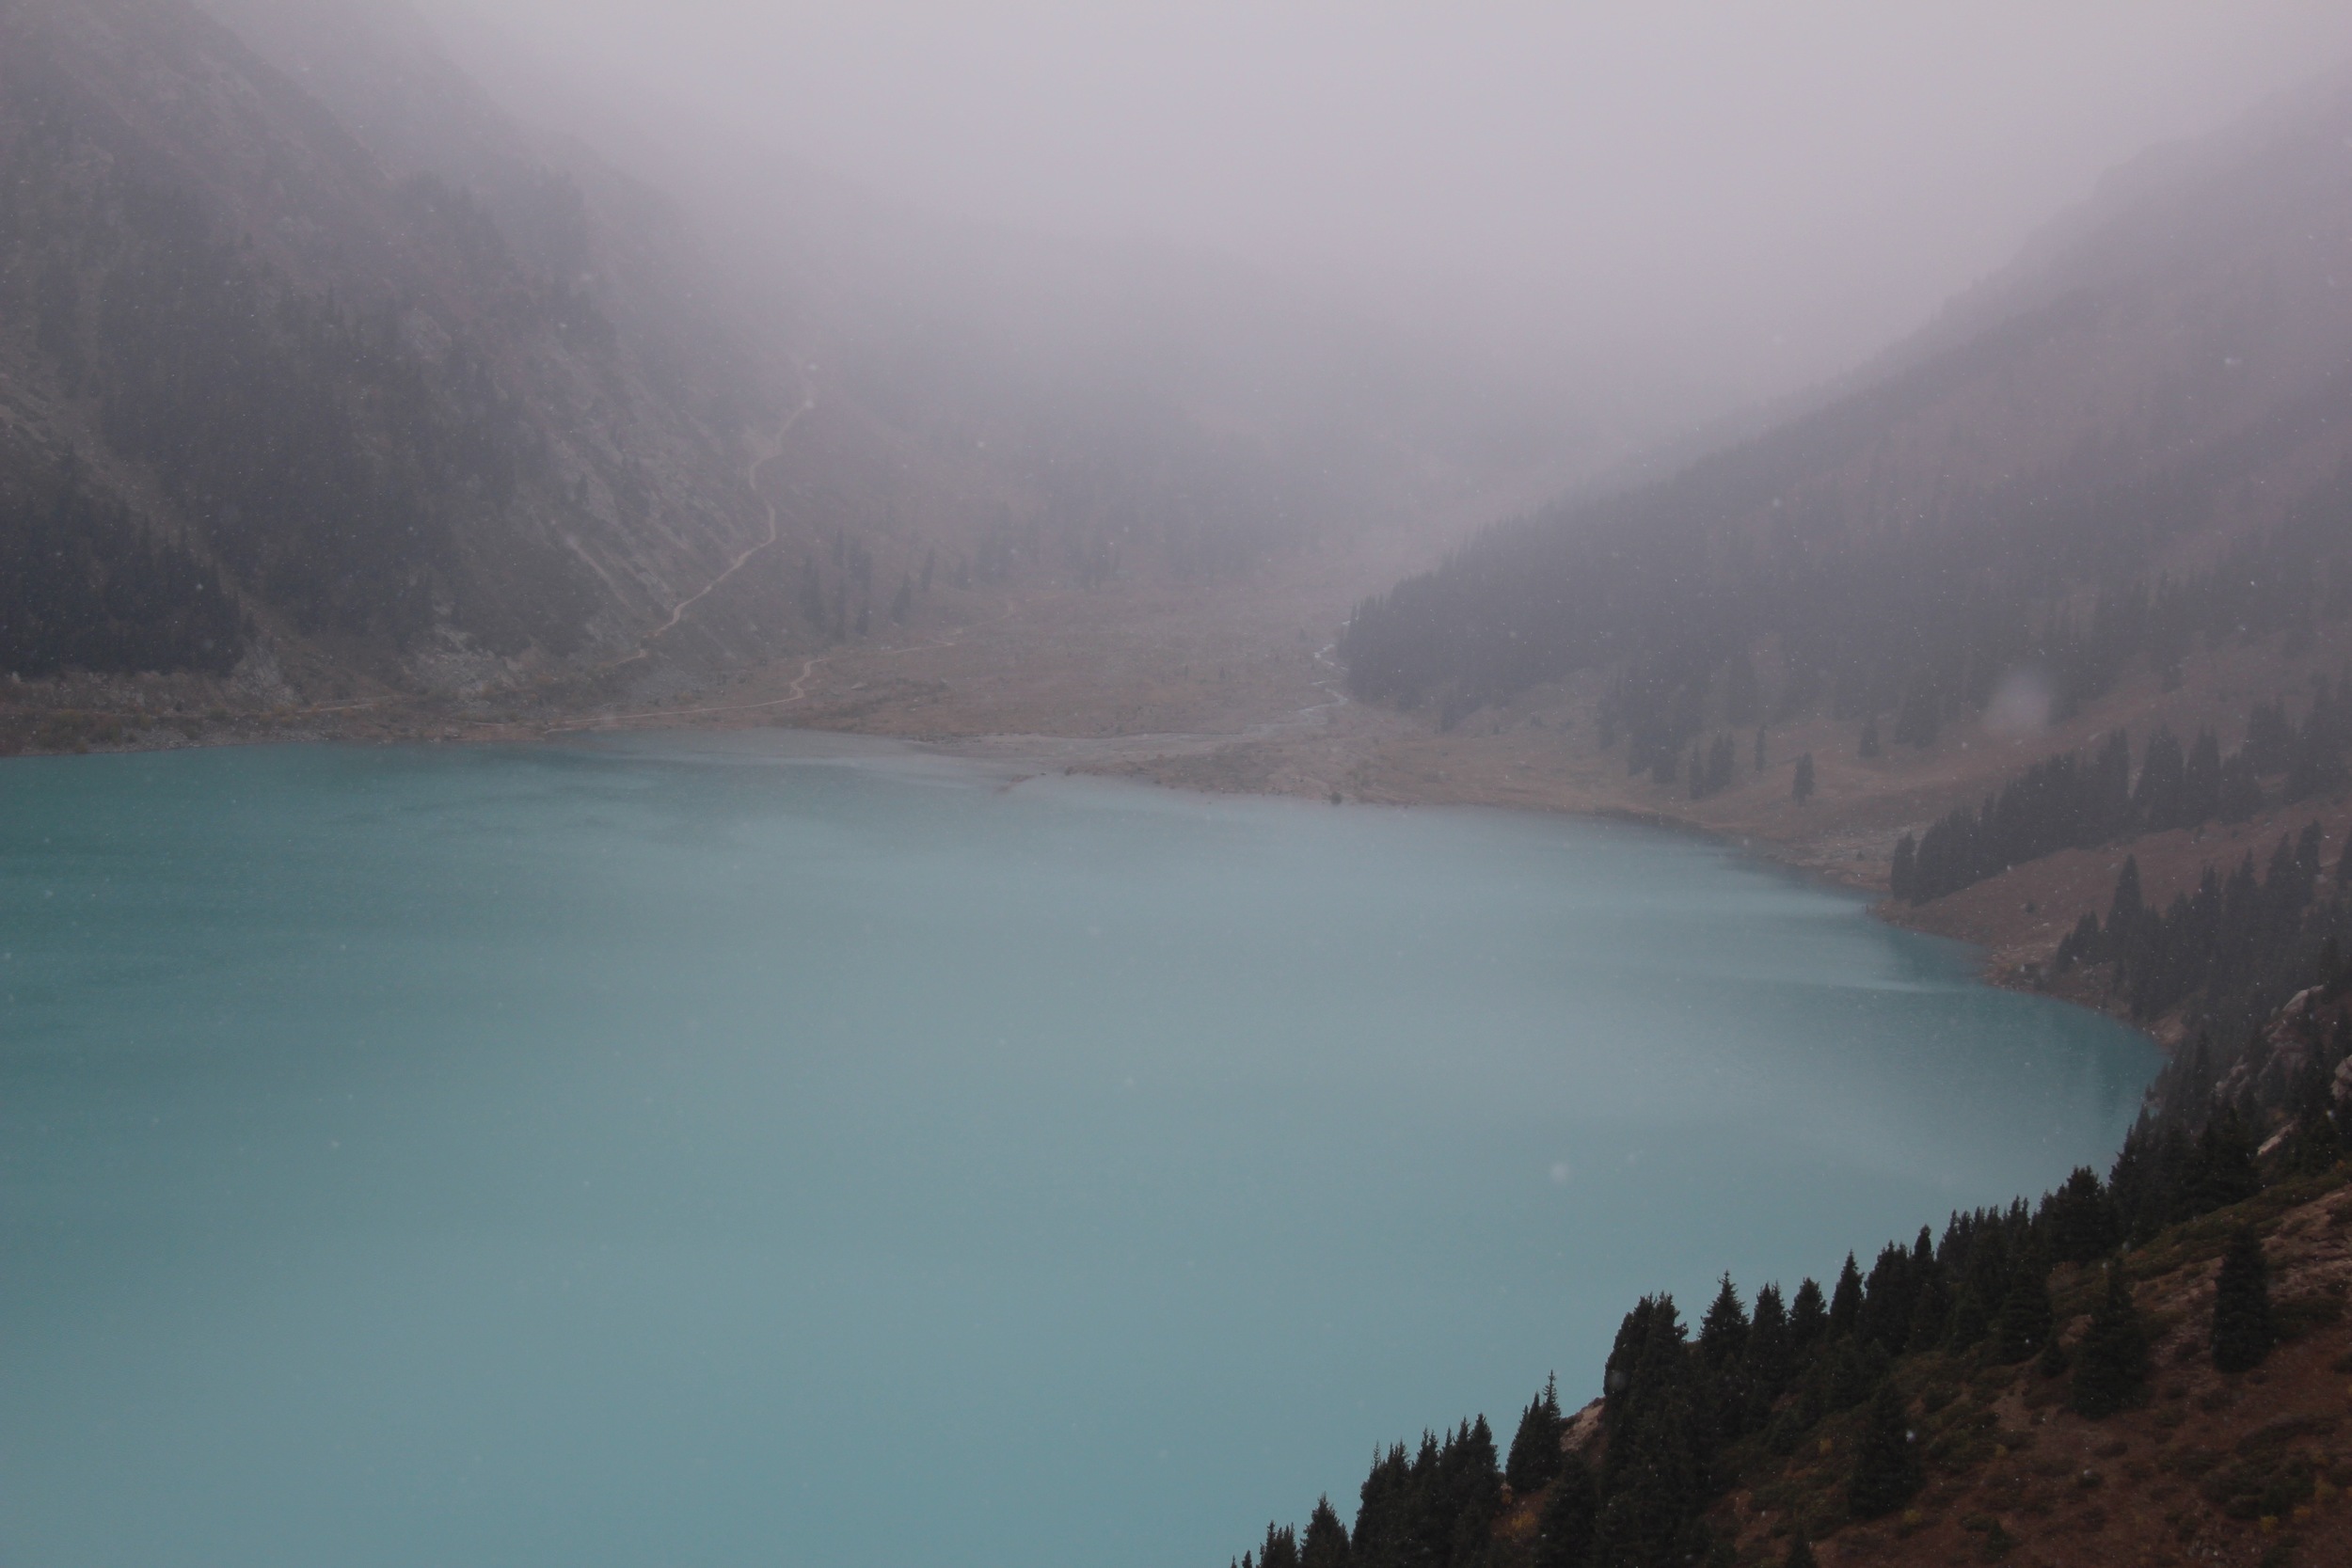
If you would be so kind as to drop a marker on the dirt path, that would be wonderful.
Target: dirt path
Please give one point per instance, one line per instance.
(775, 526)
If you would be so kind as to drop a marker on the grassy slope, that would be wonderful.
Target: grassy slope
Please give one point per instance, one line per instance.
(2211, 1468)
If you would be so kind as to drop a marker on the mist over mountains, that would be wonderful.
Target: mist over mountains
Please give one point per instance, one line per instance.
(315, 355)
(309, 348)
(390, 412)
(2136, 438)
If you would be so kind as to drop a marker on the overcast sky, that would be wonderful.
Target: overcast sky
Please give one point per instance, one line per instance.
(1782, 186)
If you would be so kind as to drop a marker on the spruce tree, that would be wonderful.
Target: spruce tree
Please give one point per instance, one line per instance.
(1802, 790)
(1563, 1532)
(1886, 1298)
(1853, 1368)
(1930, 1311)
(2243, 1332)
(1845, 1303)
(1652, 1493)
(2111, 1362)
(2223, 1170)
(1800, 1553)
(1767, 1354)
(2079, 1219)
(1886, 1469)
(1723, 1332)
(1808, 1318)
(1326, 1542)
(2022, 1328)
(1870, 747)
(1535, 1448)
(1280, 1549)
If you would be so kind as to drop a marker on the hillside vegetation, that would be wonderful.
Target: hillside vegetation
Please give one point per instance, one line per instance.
(2145, 1369)
(2133, 447)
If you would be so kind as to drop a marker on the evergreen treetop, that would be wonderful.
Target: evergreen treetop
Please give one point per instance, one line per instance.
(1535, 1446)
(1844, 1302)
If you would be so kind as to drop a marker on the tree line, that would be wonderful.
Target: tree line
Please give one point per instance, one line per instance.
(2078, 802)
(2230, 950)
(1685, 1407)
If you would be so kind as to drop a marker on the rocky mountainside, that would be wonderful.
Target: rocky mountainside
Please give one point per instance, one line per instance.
(326, 406)
(319, 366)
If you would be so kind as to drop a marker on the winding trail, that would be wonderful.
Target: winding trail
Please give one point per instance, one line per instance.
(775, 526)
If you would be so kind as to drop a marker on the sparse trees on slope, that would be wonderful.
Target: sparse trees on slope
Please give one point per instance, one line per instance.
(2243, 1332)
(2111, 1362)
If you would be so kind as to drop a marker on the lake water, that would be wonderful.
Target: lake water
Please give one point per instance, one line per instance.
(748, 1151)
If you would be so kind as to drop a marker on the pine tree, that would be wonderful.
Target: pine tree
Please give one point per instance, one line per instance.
(1325, 1544)
(1802, 790)
(1723, 1332)
(1535, 1448)
(1852, 1369)
(1808, 1318)
(1930, 1311)
(2111, 1362)
(2079, 1219)
(1563, 1532)
(2243, 1332)
(1886, 1469)
(2128, 906)
(1886, 1297)
(2023, 1327)
(1280, 1549)
(2223, 1171)
(1844, 1302)
(1767, 1354)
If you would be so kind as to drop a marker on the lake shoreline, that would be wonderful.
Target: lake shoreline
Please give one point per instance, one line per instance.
(1294, 758)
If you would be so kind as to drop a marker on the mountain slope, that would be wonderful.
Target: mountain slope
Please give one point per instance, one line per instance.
(384, 426)
(2169, 383)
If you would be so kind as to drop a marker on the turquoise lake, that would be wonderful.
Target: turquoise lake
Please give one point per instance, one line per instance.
(710, 1150)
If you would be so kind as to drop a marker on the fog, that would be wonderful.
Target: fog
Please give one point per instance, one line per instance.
(1738, 200)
